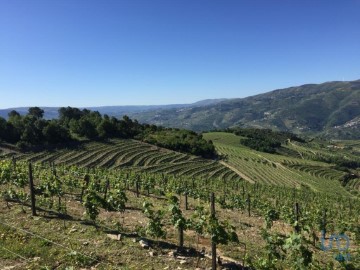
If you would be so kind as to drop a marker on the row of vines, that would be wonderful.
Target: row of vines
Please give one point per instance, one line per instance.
(311, 214)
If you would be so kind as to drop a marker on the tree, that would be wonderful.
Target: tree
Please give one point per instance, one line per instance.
(36, 112)
(32, 131)
(106, 129)
(7, 132)
(69, 113)
(16, 121)
(55, 133)
(13, 114)
(84, 128)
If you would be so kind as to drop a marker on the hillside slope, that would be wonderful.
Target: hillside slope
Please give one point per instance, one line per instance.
(277, 169)
(125, 153)
(331, 109)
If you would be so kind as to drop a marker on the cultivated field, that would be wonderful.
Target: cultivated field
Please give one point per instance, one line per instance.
(275, 169)
(131, 153)
(86, 196)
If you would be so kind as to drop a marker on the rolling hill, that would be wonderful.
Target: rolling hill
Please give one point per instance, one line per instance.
(331, 109)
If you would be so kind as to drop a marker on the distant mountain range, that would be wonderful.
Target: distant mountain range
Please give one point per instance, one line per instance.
(330, 109)
(117, 111)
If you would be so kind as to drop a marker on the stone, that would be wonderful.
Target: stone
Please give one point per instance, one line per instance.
(144, 244)
(152, 253)
(172, 253)
(114, 237)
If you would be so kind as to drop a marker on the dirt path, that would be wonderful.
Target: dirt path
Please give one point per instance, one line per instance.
(245, 177)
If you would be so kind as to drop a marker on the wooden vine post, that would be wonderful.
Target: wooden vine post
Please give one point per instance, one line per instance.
(59, 197)
(323, 223)
(181, 237)
(53, 168)
(224, 185)
(249, 204)
(213, 244)
(137, 188)
(296, 210)
(186, 196)
(127, 182)
(32, 191)
(107, 187)
(86, 184)
(294, 194)
(13, 160)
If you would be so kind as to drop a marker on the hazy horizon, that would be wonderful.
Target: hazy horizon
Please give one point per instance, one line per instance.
(165, 104)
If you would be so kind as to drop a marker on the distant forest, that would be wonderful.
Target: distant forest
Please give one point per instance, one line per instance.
(74, 125)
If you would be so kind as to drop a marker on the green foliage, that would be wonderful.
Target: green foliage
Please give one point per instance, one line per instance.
(261, 145)
(298, 253)
(92, 202)
(270, 216)
(273, 251)
(177, 218)
(198, 220)
(290, 251)
(154, 227)
(5, 172)
(117, 199)
(266, 134)
(55, 133)
(36, 112)
(182, 141)
(264, 140)
(31, 130)
(221, 232)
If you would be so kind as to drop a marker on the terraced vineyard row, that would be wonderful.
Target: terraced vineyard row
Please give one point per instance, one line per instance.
(130, 153)
(317, 152)
(354, 183)
(319, 171)
(277, 169)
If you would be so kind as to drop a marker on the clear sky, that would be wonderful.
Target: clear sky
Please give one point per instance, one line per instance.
(132, 52)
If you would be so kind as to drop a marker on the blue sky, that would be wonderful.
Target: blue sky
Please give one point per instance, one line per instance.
(94, 53)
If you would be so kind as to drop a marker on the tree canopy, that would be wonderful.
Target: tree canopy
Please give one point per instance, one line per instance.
(74, 124)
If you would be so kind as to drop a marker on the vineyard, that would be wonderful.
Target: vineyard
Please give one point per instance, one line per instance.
(131, 153)
(130, 205)
(275, 169)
